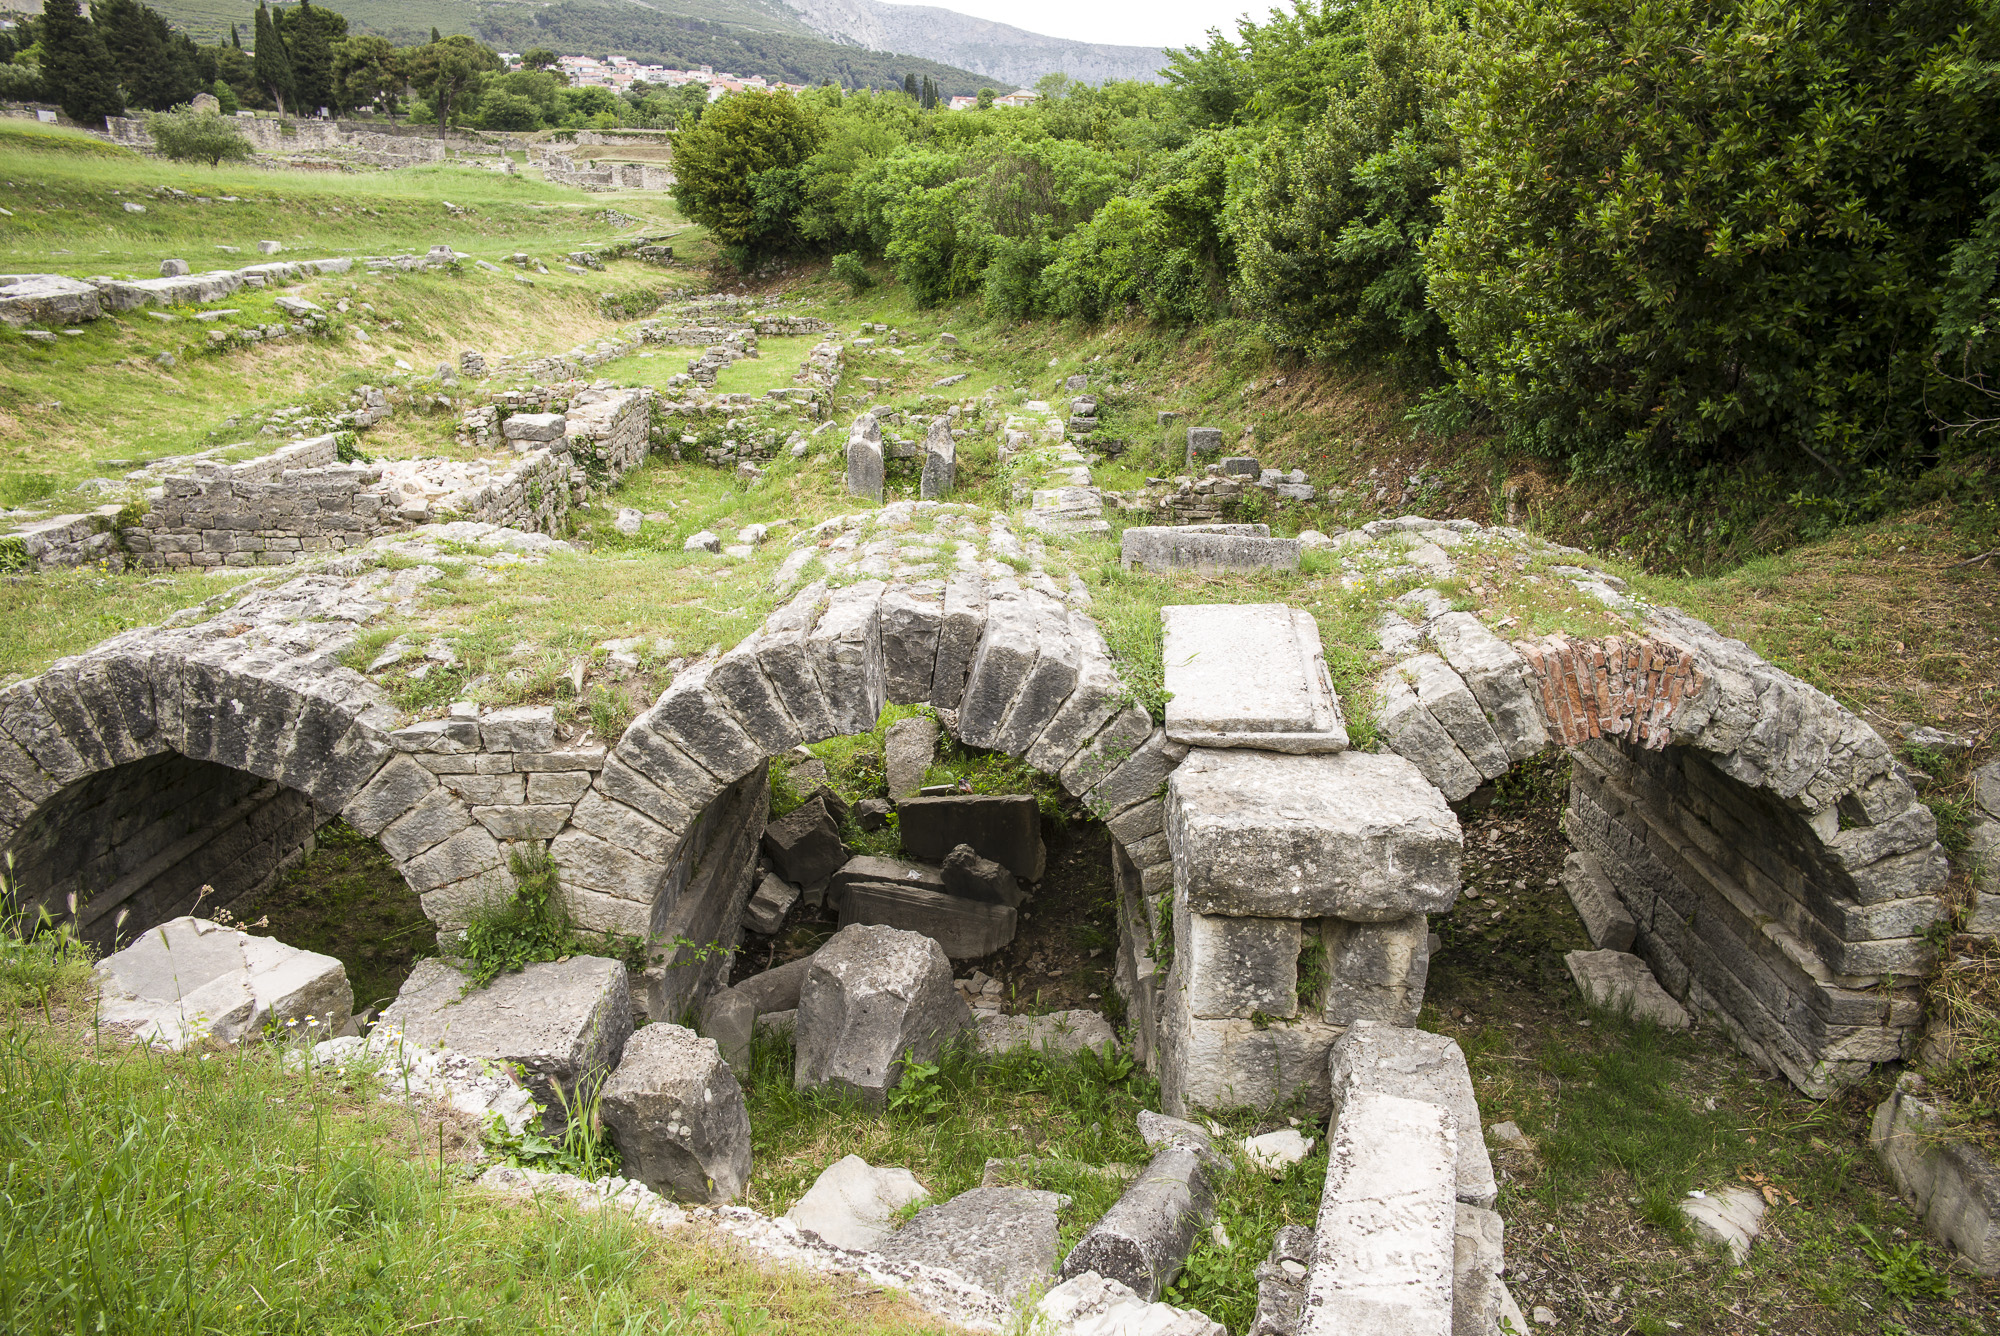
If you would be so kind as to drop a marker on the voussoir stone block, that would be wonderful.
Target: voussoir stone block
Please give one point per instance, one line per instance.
(1354, 835)
(397, 787)
(1414, 734)
(874, 997)
(677, 1114)
(846, 649)
(1499, 679)
(563, 1022)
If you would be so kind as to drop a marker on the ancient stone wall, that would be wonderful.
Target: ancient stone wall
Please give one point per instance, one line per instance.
(369, 143)
(272, 511)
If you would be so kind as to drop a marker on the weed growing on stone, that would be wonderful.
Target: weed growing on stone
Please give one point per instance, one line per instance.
(533, 925)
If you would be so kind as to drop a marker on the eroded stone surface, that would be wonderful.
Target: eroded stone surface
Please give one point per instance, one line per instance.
(1415, 1064)
(191, 977)
(874, 997)
(852, 1203)
(1249, 675)
(1001, 1239)
(676, 1113)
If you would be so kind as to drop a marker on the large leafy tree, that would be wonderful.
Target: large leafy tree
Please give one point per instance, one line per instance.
(720, 161)
(450, 72)
(76, 67)
(1687, 233)
(369, 70)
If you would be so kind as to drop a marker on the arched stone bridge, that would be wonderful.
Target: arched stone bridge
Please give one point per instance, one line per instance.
(1782, 873)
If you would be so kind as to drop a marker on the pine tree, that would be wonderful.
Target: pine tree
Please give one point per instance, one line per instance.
(274, 64)
(76, 65)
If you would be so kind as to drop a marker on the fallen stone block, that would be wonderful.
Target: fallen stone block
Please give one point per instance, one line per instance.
(1144, 1239)
(1620, 982)
(1353, 835)
(1953, 1185)
(730, 1019)
(804, 844)
(1094, 1305)
(1730, 1219)
(1281, 1283)
(874, 998)
(48, 299)
(1152, 548)
(1005, 827)
(776, 989)
(1605, 918)
(772, 900)
(971, 877)
(852, 1203)
(1249, 675)
(1372, 1059)
(1384, 1247)
(191, 977)
(890, 871)
(1054, 1032)
(676, 1113)
(966, 929)
(1275, 1152)
(907, 751)
(1001, 1239)
(564, 1023)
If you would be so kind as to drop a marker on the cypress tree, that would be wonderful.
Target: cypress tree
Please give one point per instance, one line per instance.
(76, 65)
(311, 50)
(235, 40)
(274, 65)
(910, 86)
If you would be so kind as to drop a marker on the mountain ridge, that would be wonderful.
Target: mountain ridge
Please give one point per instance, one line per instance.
(997, 50)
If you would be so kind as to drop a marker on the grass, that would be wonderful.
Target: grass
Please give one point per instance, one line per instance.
(1075, 1116)
(67, 612)
(215, 1191)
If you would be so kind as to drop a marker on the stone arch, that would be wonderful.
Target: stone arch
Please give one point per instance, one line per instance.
(1009, 668)
(1781, 872)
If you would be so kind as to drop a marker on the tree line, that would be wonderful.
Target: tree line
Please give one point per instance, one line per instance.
(1657, 240)
(302, 59)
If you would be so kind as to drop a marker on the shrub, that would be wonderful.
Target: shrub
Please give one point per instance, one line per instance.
(1332, 258)
(1686, 235)
(849, 269)
(190, 136)
(717, 163)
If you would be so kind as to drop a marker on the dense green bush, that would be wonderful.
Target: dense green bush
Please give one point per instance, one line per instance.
(718, 162)
(1685, 234)
(1332, 248)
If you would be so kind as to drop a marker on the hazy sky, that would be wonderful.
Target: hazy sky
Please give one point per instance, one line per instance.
(1128, 22)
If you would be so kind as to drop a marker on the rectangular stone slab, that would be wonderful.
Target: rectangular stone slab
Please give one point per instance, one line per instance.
(966, 929)
(1352, 835)
(1249, 675)
(1163, 549)
(1386, 1241)
(1005, 827)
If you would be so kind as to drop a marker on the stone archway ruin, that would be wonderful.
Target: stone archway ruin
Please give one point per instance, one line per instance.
(1780, 872)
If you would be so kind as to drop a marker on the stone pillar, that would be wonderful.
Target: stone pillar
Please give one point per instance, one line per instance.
(1327, 861)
